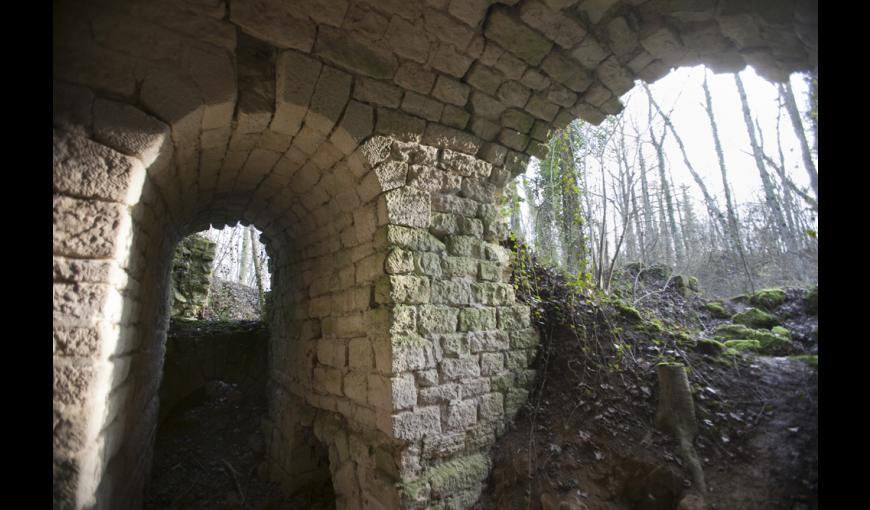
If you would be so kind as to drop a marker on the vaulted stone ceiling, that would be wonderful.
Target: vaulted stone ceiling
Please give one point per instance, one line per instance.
(368, 141)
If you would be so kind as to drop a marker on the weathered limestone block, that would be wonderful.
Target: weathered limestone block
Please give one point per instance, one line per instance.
(274, 21)
(406, 206)
(359, 56)
(86, 169)
(87, 228)
(506, 29)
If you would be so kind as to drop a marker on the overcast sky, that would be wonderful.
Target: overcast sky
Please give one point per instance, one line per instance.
(690, 120)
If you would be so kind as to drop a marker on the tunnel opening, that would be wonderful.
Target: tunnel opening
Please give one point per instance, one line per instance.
(210, 449)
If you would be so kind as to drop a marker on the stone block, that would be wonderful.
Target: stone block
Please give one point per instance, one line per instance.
(400, 125)
(485, 128)
(353, 53)
(415, 77)
(327, 380)
(491, 407)
(87, 169)
(413, 425)
(477, 319)
(506, 29)
(458, 266)
(453, 369)
(445, 29)
(565, 31)
(461, 415)
(402, 289)
(296, 79)
(444, 445)
(399, 261)
(407, 40)
(404, 392)
(524, 339)
(422, 106)
(376, 92)
(451, 91)
(448, 138)
(274, 21)
(355, 126)
(488, 341)
(449, 60)
(406, 206)
(589, 53)
(83, 228)
(433, 319)
(441, 394)
(452, 292)
(455, 117)
(491, 363)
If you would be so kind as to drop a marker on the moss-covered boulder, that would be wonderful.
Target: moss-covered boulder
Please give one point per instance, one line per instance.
(630, 313)
(767, 299)
(755, 318)
(709, 346)
(771, 343)
(811, 301)
(743, 345)
(766, 342)
(693, 284)
(716, 309)
(733, 331)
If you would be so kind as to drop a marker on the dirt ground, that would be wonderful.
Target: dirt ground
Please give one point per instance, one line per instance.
(209, 456)
(587, 440)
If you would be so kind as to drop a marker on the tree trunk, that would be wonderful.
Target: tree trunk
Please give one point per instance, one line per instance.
(733, 228)
(261, 294)
(793, 113)
(244, 260)
(676, 415)
(767, 183)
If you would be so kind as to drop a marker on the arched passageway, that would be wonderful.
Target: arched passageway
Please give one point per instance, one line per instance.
(368, 141)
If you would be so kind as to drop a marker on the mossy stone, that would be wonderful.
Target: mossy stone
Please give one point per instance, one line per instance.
(768, 299)
(755, 318)
(629, 312)
(732, 331)
(716, 309)
(743, 345)
(709, 346)
(811, 301)
(781, 331)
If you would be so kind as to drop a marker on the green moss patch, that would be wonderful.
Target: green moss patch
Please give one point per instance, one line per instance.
(809, 359)
(717, 309)
(768, 342)
(630, 313)
(768, 299)
(755, 318)
(743, 345)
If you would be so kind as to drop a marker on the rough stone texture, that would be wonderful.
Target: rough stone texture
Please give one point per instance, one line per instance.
(191, 276)
(360, 129)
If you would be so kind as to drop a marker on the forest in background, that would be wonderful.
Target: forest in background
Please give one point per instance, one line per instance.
(606, 195)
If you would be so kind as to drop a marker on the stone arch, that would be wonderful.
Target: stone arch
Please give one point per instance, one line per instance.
(368, 141)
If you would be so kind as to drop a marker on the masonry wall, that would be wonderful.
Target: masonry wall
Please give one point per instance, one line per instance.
(368, 142)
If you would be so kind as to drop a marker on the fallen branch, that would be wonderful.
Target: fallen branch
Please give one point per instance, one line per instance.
(235, 480)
